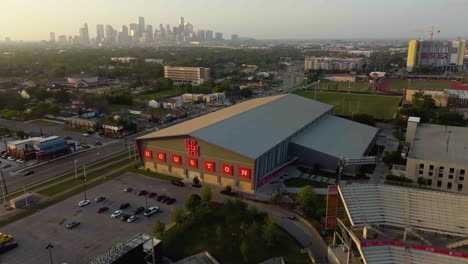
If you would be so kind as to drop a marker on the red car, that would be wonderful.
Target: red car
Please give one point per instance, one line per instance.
(102, 209)
(151, 195)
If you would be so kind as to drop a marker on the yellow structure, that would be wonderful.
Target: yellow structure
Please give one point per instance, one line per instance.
(411, 60)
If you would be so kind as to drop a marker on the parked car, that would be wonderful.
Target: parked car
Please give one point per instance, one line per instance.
(85, 135)
(132, 218)
(11, 158)
(167, 198)
(20, 161)
(142, 192)
(124, 217)
(27, 173)
(102, 209)
(5, 166)
(139, 210)
(151, 195)
(160, 198)
(8, 246)
(100, 198)
(171, 201)
(68, 138)
(84, 203)
(292, 217)
(124, 205)
(178, 183)
(151, 211)
(128, 189)
(117, 214)
(98, 143)
(72, 224)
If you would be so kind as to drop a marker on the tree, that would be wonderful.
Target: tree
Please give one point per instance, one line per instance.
(206, 194)
(196, 181)
(391, 158)
(21, 134)
(219, 232)
(307, 200)
(449, 118)
(244, 249)
(364, 119)
(192, 202)
(158, 229)
(178, 215)
(246, 93)
(421, 181)
(270, 232)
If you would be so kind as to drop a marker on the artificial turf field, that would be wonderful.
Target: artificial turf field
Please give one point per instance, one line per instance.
(329, 85)
(399, 85)
(347, 104)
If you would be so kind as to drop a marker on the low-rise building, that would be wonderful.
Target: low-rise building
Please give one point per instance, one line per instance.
(88, 124)
(39, 148)
(112, 128)
(332, 63)
(191, 98)
(124, 59)
(168, 103)
(214, 98)
(438, 154)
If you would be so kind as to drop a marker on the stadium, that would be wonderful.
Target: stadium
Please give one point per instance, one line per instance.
(390, 224)
(246, 145)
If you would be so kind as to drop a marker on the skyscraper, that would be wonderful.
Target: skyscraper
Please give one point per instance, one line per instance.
(125, 30)
(162, 33)
(52, 37)
(235, 37)
(219, 36)
(111, 35)
(84, 35)
(62, 39)
(133, 28)
(149, 32)
(188, 28)
(444, 55)
(141, 25)
(201, 35)
(99, 33)
(181, 25)
(209, 35)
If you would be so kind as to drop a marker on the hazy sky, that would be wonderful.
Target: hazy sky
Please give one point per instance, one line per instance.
(261, 19)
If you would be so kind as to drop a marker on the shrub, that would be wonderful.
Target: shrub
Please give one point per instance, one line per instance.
(392, 177)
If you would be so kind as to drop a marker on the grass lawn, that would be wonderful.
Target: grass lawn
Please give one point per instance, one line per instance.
(117, 107)
(150, 96)
(346, 104)
(223, 230)
(77, 130)
(418, 84)
(301, 182)
(362, 87)
(43, 123)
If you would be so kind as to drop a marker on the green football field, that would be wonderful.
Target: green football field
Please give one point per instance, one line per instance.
(347, 104)
(418, 84)
(329, 85)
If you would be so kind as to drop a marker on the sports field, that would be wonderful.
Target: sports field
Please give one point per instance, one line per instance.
(347, 104)
(345, 86)
(399, 85)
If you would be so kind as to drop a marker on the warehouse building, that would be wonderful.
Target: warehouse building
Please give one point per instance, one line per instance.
(245, 145)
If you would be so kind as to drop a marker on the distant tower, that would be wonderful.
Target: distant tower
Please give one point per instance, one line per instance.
(99, 33)
(141, 25)
(181, 25)
(149, 32)
(84, 34)
(52, 37)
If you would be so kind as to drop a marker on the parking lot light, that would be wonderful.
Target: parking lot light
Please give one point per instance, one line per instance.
(50, 247)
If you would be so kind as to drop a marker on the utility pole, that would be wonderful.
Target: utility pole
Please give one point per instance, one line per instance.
(3, 179)
(74, 168)
(4, 197)
(84, 181)
(50, 247)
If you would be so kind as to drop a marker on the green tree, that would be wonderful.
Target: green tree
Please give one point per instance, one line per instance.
(270, 232)
(244, 250)
(364, 119)
(178, 215)
(191, 203)
(21, 134)
(219, 232)
(307, 200)
(391, 158)
(421, 181)
(206, 194)
(158, 228)
(246, 93)
(196, 181)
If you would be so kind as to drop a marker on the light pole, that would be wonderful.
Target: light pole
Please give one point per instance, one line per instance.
(84, 181)
(74, 168)
(50, 247)
(146, 202)
(3, 179)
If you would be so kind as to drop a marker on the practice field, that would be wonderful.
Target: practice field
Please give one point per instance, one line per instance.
(399, 85)
(345, 86)
(347, 104)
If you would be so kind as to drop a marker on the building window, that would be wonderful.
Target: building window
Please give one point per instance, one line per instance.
(431, 173)
(441, 169)
(461, 178)
(449, 185)
(452, 170)
(462, 172)
(439, 183)
(450, 176)
(421, 166)
(460, 187)
(421, 172)
(431, 167)
(441, 175)
(429, 182)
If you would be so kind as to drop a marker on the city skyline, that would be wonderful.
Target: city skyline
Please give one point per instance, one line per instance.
(260, 19)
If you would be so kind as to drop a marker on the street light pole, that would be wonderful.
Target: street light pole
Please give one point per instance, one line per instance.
(50, 247)
(84, 181)
(74, 168)
(146, 202)
(4, 184)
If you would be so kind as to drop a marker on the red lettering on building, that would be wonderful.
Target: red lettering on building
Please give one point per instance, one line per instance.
(227, 169)
(209, 166)
(244, 173)
(148, 154)
(191, 162)
(161, 156)
(175, 159)
(192, 148)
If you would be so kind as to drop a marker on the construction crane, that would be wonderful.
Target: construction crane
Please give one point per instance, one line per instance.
(431, 32)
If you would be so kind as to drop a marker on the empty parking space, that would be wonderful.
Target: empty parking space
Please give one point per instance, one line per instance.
(97, 232)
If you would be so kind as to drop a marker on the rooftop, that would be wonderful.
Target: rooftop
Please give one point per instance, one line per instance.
(337, 136)
(447, 144)
(253, 127)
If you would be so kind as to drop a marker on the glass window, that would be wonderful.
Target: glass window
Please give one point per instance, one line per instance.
(449, 185)
(431, 173)
(452, 170)
(460, 187)
(439, 183)
(461, 178)
(421, 166)
(431, 167)
(429, 182)
(451, 176)
(441, 175)
(462, 172)
(421, 172)
(441, 169)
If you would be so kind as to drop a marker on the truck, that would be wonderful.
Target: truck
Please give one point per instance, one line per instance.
(7, 242)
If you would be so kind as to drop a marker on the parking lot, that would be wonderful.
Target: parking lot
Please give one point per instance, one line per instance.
(97, 232)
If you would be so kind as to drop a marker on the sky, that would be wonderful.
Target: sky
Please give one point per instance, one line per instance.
(260, 19)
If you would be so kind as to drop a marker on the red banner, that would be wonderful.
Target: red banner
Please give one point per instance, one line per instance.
(161, 156)
(191, 162)
(176, 159)
(209, 165)
(227, 169)
(244, 173)
(148, 154)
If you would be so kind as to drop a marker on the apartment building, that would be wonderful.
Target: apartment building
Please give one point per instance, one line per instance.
(188, 75)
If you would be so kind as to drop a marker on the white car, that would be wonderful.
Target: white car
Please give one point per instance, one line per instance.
(84, 203)
(85, 135)
(151, 211)
(132, 218)
(20, 161)
(11, 158)
(117, 214)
